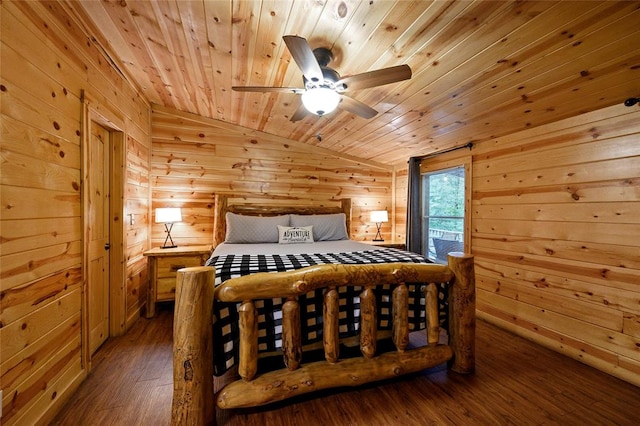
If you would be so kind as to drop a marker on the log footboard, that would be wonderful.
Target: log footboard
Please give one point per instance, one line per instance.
(282, 384)
(193, 399)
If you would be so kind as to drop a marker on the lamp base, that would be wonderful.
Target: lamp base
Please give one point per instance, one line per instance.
(378, 236)
(168, 227)
(377, 240)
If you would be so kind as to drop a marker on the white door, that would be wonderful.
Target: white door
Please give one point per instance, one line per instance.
(98, 236)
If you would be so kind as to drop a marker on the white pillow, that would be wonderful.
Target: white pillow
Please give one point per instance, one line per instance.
(293, 234)
(244, 229)
(326, 227)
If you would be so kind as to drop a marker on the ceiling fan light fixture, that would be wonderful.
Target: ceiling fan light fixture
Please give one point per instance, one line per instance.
(320, 100)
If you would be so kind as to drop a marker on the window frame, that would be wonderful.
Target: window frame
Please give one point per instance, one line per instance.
(439, 164)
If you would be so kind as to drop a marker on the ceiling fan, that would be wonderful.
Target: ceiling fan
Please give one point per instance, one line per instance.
(324, 90)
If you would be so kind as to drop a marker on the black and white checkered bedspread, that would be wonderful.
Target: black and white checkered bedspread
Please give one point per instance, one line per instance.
(225, 321)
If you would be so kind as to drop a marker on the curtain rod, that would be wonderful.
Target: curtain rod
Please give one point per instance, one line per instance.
(444, 151)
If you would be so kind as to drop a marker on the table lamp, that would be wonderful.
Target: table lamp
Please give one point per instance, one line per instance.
(168, 216)
(379, 217)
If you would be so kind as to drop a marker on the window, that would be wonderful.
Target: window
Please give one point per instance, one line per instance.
(443, 213)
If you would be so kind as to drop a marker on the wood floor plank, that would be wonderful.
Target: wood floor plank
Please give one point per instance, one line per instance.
(516, 382)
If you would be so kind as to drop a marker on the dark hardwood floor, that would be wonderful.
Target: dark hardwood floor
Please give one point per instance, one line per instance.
(516, 383)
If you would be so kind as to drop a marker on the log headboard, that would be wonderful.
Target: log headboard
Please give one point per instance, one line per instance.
(234, 204)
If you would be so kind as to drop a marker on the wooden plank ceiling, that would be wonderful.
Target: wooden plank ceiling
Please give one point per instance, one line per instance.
(481, 69)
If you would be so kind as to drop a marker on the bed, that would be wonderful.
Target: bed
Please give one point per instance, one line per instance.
(258, 299)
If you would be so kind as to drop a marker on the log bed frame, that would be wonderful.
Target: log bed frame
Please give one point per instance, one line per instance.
(193, 395)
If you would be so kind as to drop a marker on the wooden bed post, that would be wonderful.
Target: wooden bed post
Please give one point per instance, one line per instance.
(462, 313)
(193, 402)
(219, 219)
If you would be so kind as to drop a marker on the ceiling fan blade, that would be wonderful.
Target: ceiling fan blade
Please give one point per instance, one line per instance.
(304, 57)
(267, 89)
(300, 113)
(375, 78)
(356, 107)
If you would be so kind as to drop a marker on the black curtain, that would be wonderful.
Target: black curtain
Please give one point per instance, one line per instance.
(414, 219)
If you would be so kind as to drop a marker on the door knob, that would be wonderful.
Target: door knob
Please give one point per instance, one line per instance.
(107, 246)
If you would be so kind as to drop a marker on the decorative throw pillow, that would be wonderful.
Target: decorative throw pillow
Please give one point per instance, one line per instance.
(293, 234)
(244, 229)
(326, 227)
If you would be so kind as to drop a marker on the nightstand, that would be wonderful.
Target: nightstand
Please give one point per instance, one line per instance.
(163, 268)
(397, 244)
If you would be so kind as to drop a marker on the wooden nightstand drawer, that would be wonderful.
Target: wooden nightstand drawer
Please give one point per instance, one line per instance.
(166, 274)
(163, 268)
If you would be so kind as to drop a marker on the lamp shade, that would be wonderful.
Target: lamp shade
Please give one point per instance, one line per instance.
(379, 216)
(320, 100)
(168, 215)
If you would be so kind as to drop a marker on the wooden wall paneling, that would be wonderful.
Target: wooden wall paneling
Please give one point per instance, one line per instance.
(569, 156)
(37, 354)
(19, 269)
(496, 309)
(616, 277)
(24, 106)
(604, 254)
(624, 234)
(554, 233)
(587, 310)
(21, 300)
(20, 138)
(191, 162)
(36, 328)
(42, 390)
(135, 290)
(572, 131)
(24, 33)
(549, 282)
(632, 324)
(22, 236)
(43, 90)
(554, 225)
(303, 189)
(21, 202)
(592, 335)
(189, 120)
(108, 83)
(136, 224)
(37, 173)
(52, 61)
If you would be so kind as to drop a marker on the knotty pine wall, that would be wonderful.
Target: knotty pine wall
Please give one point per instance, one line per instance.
(556, 235)
(193, 158)
(47, 61)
